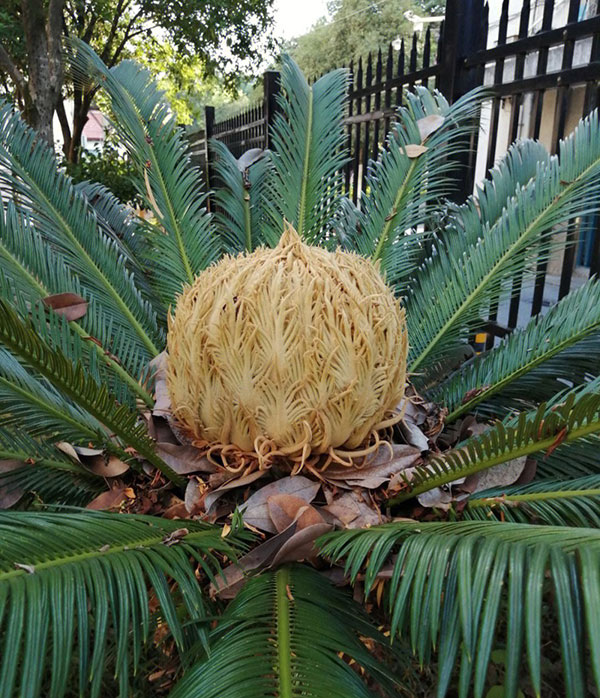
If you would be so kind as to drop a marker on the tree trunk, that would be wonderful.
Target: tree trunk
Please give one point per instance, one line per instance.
(43, 37)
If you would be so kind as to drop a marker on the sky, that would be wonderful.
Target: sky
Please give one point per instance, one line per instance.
(296, 17)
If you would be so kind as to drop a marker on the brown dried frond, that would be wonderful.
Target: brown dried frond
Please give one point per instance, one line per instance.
(287, 352)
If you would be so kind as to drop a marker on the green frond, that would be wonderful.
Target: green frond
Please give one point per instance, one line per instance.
(182, 239)
(62, 216)
(554, 502)
(571, 460)
(19, 287)
(454, 285)
(453, 582)
(22, 339)
(509, 175)
(46, 473)
(309, 146)
(118, 221)
(401, 189)
(68, 580)
(574, 317)
(241, 200)
(282, 636)
(35, 406)
(573, 415)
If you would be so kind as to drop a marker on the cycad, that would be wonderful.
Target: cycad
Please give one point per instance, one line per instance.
(502, 565)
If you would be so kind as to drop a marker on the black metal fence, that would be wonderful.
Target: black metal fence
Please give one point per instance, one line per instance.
(541, 64)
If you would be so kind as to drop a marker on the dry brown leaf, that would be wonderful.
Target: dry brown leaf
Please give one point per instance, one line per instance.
(162, 399)
(10, 495)
(175, 509)
(500, 475)
(429, 124)
(388, 461)
(353, 510)
(175, 537)
(291, 545)
(413, 150)
(301, 546)
(194, 496)
(232, 484)
(68, 450)
(256, 511)
(111, 500)
(160, 430)
(184, 459)
(285, 508)
(233, 577)
(110, 466)
(87, 451)
(69, 305)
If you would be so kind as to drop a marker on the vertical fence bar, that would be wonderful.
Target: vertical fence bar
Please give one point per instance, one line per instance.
(498, 74)
(399, 74)
(272, 88)
(515, 111)
(562, 103)
(493, 135)
(209, 122)
(377, 105)
(350, 185)
(389, 74)
(357, 145)
(367, 124)
(542, 64)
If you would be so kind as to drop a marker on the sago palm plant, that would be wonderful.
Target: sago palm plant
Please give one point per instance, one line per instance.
(207, 424)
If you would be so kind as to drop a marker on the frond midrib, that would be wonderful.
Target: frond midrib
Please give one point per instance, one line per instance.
(284, 649)
(306, 166)
(517, 373)
(508, 499)
(437, 480)
(146, 543)
(390, 218)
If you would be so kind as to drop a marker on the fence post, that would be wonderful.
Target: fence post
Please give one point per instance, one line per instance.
(272, 86)
(209, 122)
(464, 33)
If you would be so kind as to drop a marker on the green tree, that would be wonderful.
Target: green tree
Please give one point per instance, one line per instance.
(219, 36)
(490, 584)
(354, 29)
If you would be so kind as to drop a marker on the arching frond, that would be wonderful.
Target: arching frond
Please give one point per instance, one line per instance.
(451, 289)
(509, 175)
(20, 288)
(36, 407)
(402, 185)
(452, 582)
(62, 216)
(572, 416)
(554, 502)
(241, 201)
(68, 580)
(182, 240)
(118, 221)
(23, 341)
(45, 472)
(288, 633)
(574, 317)
(309, 141)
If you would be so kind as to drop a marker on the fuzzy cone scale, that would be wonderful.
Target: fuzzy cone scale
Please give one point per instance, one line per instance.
(293, 351)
